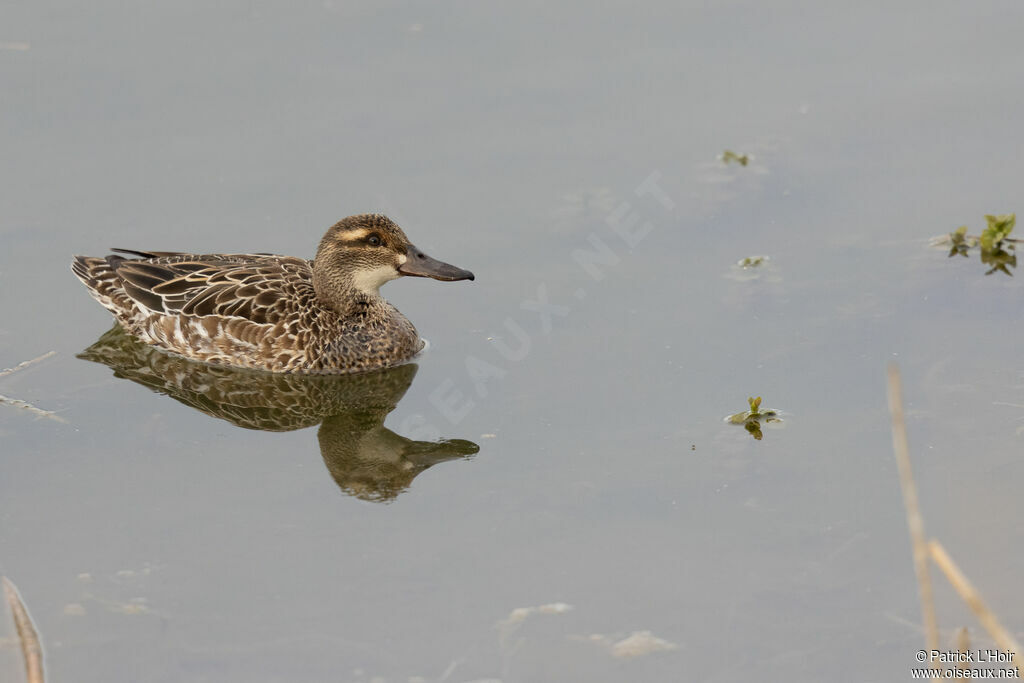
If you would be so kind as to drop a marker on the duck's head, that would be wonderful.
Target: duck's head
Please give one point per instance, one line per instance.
(363, 252)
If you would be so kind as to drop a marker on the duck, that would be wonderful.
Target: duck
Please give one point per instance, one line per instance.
(281, 314)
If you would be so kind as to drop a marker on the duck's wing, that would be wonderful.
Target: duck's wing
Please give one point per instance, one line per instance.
(181, 254)
(257, 287)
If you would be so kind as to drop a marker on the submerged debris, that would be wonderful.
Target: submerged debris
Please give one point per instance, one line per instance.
(74, 609)
(636, 644)
(24, 364)
(25, 405)
(520, 614)
(133, 607)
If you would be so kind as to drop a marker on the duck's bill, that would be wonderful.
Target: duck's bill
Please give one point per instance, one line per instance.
(419, 264)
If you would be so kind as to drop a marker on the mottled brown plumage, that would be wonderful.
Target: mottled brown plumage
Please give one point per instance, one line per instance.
(276, 313)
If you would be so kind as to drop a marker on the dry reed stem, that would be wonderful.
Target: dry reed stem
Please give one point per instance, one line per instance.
(963, 644)
(30, 646)
(973, 599)
(914, 521)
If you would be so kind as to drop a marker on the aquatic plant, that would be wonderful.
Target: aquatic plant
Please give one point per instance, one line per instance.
(996, 247)
(752, 261)
(753, 418)
(729, 155)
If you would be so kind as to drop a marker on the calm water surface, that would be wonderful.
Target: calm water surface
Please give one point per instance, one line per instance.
(155, 539)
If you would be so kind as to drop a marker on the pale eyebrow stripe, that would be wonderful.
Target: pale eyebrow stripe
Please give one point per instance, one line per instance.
(355, 234)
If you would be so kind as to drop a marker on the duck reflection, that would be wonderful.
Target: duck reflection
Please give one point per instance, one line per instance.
(365, 459)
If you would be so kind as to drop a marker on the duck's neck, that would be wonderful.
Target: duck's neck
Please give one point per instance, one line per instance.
(345, 291)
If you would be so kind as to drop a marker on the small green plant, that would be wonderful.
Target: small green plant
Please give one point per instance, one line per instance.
(729, 155)
(998, 230)
(960, 243)
(753, 418)
(752, 261)
(997, 248)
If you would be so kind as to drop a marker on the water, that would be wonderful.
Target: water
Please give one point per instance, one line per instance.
(153, 541)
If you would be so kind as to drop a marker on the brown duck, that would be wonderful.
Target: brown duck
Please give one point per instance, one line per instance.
(276, 313)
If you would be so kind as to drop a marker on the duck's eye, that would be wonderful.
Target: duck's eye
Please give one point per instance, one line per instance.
(373, 240)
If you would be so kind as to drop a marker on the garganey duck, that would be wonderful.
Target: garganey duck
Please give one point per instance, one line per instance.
(276, 313)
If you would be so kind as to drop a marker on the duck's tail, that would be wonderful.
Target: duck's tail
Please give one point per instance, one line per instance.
(100, 277)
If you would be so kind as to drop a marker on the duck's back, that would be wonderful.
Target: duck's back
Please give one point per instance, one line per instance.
(250, 310)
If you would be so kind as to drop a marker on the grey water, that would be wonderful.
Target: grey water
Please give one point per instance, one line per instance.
(550, 493)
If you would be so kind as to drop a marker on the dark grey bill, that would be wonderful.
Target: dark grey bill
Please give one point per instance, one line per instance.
(419, 264)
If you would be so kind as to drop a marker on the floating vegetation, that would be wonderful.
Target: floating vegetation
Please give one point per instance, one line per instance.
(753, 419)
(998, 249)
(756, 267)
(752, 262)
(728, 156)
